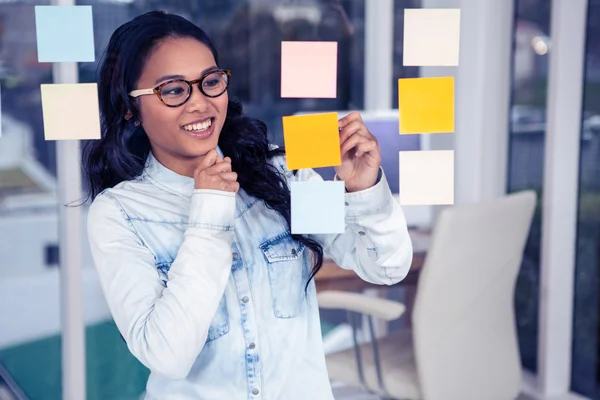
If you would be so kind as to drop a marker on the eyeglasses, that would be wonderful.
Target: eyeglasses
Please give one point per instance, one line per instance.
(176, 92)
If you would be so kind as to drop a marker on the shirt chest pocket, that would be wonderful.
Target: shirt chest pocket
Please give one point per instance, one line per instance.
(288, 272)
(219, 325)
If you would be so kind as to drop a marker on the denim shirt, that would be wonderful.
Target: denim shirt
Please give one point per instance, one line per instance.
(207, 287)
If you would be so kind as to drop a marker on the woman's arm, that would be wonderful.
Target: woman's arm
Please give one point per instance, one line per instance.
(165, 327)
(376, 244)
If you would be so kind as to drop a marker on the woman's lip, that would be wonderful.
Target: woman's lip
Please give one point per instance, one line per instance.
(200, 121)
(201, 135)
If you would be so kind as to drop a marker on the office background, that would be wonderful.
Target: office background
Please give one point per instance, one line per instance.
(528, 117)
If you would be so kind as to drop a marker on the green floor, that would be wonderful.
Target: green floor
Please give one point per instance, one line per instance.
(112, 372)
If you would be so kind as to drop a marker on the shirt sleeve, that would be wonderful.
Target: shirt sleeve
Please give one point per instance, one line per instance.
(165, 327)
(376, 243)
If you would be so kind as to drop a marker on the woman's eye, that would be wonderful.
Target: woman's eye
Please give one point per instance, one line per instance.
(173, 92)
(211, 82)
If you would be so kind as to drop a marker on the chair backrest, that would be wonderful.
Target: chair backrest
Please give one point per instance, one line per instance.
(464, 329)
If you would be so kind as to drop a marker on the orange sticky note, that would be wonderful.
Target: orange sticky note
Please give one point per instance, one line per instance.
(312, 141)
(309, 69)
(70, 111)
(426, 105)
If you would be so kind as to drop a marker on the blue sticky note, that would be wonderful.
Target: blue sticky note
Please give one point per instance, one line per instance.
(64, 33)
(318, 207)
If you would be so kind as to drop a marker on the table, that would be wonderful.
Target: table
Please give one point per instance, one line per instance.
(333, 277)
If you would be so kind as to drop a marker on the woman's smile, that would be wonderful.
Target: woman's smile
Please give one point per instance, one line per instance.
(200, 129)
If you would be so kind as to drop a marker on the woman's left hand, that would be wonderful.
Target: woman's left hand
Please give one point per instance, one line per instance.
(361, 156)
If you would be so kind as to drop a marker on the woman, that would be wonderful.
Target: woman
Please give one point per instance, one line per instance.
(190, 225)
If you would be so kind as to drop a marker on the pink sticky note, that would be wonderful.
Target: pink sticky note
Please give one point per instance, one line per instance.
(309, 69)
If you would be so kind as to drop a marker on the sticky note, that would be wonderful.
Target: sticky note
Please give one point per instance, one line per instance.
(318, 207)
(64, 33)
(70, 111)
(312, 141)
(426, 105)
(431, 37)
(426, 177)
(309, 69)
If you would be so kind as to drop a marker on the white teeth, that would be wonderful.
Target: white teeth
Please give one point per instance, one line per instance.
(198, 127)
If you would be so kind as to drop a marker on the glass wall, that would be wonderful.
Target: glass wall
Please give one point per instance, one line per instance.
(526, 154)
(29, 282)
(585, 377)
(400, 71)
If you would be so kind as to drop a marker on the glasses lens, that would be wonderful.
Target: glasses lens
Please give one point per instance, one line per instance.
(215, 84)
(175, 93)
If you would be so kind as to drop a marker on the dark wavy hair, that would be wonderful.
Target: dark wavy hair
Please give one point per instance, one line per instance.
(120, 154)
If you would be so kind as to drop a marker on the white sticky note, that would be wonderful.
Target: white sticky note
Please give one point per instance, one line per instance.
(318, 207)
(71, 111)
(64, 33)
(426, 177)
(431, 37)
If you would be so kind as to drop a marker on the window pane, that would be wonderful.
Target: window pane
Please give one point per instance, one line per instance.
(526, 154)
(586, 332)
(29, 281)
(400, 71)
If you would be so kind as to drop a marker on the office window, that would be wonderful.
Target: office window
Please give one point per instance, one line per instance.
(400, 71)
(29, 286)
(585, 374)
(527, 133)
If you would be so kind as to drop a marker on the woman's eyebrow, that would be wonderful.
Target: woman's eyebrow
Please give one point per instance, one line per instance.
(169, 77)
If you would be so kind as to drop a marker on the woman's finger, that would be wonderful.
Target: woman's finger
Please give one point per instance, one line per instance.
(352, 142)
(229, 176)
(209, 159)
(219, 168)
(353, 116)
(366, 147)
(230, 186)
(352, 128)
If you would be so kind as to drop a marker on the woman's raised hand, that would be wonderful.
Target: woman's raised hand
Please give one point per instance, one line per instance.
(215, 173)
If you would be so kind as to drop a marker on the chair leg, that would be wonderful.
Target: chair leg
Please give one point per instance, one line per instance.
(376, 355)
(352, 318)
(359, 366)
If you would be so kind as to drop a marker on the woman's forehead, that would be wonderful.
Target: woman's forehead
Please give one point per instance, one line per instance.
(178, 56)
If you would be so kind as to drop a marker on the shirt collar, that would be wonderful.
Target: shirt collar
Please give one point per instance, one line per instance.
(169, 180)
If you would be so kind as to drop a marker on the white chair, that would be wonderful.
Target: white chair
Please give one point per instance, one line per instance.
(463, 343)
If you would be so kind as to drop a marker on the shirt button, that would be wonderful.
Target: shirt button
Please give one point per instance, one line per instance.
(235, 255)
(255, 391)
(346, 203)
(251, 346)
(245, 299)
(361, 233)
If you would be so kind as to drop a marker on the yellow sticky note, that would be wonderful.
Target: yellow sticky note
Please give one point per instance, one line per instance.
(70, 111)
(312, 141)
(426, 105)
